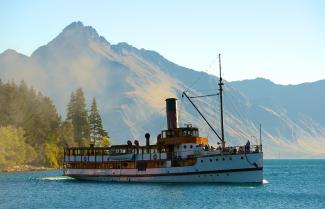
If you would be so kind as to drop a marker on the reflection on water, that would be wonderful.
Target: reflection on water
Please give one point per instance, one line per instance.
(265, 181)
(56, 178)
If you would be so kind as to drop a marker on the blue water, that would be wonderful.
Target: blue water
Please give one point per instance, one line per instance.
(288, 184)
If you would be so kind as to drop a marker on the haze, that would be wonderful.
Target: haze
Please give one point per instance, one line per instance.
(279, 40)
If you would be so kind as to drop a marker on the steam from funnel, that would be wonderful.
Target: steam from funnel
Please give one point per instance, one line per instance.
(171, 113)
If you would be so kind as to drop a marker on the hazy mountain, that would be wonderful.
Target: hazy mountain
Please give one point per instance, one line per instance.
(131, 86)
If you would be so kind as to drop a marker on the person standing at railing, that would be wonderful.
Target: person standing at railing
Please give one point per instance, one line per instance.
(247, 146)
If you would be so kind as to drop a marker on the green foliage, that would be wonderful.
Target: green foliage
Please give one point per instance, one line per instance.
(66, 135)
(35, 114)
(97, 132)
(78, 116)
(31, 131)
(52, 155)
(103, 142)
(13, 148)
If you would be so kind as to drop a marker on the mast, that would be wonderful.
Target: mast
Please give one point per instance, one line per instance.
(221, 105)
(261, 137)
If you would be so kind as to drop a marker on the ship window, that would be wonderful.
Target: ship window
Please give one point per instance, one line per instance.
(191, 146)
(184, 146)
(164, 134)
(211, 160)
(230, 158)
(223, 158)
(242, 157)
(201, 161)
(216, 159)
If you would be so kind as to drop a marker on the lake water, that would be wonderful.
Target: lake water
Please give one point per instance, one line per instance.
(287, 184)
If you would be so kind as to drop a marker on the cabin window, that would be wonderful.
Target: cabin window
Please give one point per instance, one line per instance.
(191, 146)
(184, 146)
(211, 160)
(201, 161)
(163, 134)
(223, 158)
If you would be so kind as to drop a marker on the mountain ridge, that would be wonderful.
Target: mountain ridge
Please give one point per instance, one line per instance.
(131, 84)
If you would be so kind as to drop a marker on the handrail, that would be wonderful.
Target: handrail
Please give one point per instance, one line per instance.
(177, 155)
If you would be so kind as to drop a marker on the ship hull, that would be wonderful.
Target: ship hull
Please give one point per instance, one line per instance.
(252, 176)
(228, 169)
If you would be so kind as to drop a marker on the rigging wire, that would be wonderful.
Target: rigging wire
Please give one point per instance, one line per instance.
(202, 73)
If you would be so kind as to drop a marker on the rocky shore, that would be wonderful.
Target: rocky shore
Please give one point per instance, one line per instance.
(22, 168)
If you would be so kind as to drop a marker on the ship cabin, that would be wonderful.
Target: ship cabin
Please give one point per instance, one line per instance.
(176, 146)
(183, 141)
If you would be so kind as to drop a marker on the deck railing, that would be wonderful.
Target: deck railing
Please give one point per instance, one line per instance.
(98, 155)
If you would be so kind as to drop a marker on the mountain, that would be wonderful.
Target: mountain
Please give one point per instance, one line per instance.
(131, 86)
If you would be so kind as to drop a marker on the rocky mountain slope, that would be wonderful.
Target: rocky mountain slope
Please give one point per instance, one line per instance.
(131, 85)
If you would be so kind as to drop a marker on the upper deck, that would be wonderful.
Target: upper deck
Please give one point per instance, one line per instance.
(182, 135)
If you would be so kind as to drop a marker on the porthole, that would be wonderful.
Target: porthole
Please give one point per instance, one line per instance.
(230, 158)
(211, 160)
(184, 146)
(201, 161)
(216, 159)
(223, 158)
(242, 157)
(191, 146)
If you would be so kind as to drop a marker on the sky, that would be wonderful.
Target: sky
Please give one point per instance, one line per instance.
(283, 41)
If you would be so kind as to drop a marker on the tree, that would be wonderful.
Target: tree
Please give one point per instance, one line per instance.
(66, 135)
(97, 131)
(104, 142)
(78, 116)
(23, 107)
(13, 148)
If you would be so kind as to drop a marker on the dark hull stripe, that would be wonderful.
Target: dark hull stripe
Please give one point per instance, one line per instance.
(172, 174)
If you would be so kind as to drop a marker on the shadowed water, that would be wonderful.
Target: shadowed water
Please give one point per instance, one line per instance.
(287, 184)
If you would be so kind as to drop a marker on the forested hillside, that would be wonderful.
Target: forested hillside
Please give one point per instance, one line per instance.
(132, 84)
(31, 130)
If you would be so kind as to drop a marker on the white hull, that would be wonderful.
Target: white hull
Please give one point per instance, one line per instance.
(225, 168)
(236, 177)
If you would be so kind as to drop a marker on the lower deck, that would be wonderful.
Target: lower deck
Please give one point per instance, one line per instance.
(247, 167)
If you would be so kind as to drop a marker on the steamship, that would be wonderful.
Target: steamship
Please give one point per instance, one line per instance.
(180, 154)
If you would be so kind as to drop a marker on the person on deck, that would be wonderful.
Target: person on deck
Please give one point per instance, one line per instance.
(247, 146)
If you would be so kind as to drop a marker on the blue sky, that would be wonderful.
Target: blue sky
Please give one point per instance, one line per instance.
(280, 40)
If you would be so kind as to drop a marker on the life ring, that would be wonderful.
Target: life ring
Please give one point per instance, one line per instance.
(155, 156)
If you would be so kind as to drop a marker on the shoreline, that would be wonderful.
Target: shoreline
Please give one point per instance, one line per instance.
(24, 168)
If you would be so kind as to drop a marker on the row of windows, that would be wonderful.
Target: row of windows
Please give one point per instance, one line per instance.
(180, 132)
(184, 146)
(223, 159)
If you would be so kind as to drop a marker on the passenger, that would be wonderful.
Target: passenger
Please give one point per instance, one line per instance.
(247, 146)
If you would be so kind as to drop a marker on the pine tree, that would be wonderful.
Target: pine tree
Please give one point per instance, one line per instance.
(97, 131)
(78, 116)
